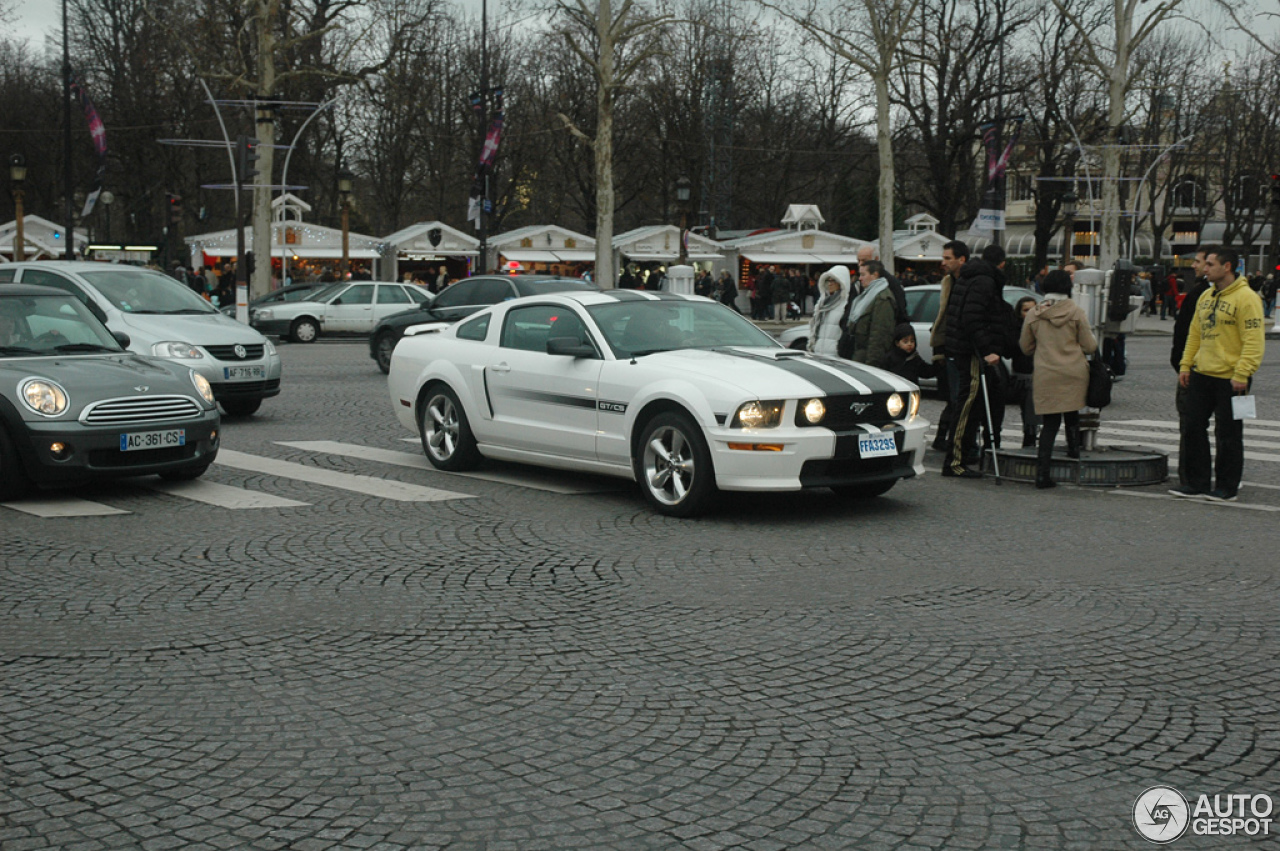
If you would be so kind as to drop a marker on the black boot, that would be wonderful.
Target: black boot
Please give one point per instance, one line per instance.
(1073, 442)
(1028, 437)
(1044, 460)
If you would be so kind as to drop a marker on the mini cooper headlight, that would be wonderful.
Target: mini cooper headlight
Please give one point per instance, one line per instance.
(758, 415)
(814, 411)
(894, 405)
(203, 386)
(182, 351)
(913, 409)
(44, 397)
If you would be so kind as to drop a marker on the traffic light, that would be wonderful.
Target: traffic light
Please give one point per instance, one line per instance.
(1275, 190)
(246, 160)
(174, 205)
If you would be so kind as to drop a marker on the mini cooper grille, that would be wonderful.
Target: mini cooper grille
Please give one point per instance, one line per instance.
(251, 352)
(150, 409)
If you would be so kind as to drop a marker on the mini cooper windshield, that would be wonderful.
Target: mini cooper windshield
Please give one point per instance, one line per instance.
(50, 325)
(637, 328)
(143, 291)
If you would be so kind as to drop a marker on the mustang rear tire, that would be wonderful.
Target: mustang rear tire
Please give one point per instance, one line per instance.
(864, 491)
(304, 330)
(13, 478)
(673, 465)
(446, 434)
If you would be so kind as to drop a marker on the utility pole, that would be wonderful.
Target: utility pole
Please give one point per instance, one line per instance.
(482, 262)
(68, 182)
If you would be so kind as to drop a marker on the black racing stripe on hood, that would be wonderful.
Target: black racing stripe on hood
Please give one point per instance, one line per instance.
(831, 385)
(874, 382)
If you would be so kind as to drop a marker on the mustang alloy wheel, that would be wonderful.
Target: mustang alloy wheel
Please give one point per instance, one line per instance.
(674, 465)
(446, 434)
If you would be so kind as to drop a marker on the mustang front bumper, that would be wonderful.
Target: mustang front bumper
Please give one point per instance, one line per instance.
(812, 457)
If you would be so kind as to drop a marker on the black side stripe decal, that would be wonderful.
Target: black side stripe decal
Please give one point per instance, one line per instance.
(551, 398)
(830, 385)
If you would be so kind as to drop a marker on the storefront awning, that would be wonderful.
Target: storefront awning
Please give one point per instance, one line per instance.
(524, 255)
(576, 255)
(649, 258)
(841, 259)
(796, 258)
(310, 253)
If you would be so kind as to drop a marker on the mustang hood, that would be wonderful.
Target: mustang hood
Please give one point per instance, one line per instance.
(781, 373)
(204, 329)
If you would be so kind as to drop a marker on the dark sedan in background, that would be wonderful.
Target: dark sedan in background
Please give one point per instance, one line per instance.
(460, 301)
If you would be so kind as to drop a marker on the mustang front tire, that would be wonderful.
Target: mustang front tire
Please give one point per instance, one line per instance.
(446, 434)
(673, 465)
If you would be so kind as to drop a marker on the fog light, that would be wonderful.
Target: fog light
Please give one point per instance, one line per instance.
(213, 436)
(60, 451)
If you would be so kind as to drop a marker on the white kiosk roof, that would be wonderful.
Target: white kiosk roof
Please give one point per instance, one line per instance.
(662, 243)
(798, 247)
(41, 237)
(544, 244)
(434, 238)
(293, 239)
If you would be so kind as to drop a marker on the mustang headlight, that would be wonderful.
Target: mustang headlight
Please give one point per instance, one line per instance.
(203, 386)
(758, 415)
(894, 405)
(913, 408)
(44, 396)
(814, 411)
(182, 351)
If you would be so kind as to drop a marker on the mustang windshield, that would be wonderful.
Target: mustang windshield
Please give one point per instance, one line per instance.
(50, 325)
(633, 328)
(143, 291)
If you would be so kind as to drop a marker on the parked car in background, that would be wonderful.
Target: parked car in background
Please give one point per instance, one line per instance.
(163, 318)
(76, 406)
(922, 308)
(679, 393)
(462, 299)
(293, 292)
(345, 308)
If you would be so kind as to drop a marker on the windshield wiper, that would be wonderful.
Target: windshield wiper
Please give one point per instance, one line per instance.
(182, 310)
(83, 347)
(17, 350)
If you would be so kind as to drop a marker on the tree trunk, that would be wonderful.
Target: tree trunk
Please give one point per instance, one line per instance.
(884, 145)
(265, 132)
(1118, 84)
(605, 278)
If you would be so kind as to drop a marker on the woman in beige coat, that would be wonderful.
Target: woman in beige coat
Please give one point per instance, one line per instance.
(1057, 332)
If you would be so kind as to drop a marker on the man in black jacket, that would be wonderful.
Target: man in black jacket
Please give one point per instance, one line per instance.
(977, 336)
(1181, 328)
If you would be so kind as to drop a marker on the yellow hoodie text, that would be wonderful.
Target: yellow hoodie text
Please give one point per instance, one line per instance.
(1226, 337)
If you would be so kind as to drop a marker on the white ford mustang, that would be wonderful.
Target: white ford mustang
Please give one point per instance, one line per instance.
(679, 393)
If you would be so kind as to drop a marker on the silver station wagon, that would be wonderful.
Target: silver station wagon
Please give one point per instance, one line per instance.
(164, 319)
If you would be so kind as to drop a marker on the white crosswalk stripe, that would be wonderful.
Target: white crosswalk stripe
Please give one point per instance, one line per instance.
(223, 496)
(57, 505)
(368, 485)
(534, 478)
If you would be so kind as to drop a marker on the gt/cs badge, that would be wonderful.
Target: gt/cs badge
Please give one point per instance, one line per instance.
(613, 407)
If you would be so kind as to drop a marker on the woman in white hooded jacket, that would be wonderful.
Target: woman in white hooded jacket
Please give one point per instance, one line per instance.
(835, 290)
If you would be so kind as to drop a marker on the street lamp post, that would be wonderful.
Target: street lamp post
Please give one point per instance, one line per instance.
(344, 192)
(18, 175)
(1069, 219)
(683, 186)
(106, 199)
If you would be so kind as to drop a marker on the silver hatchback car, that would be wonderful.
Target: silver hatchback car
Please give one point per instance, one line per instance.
(162, 318)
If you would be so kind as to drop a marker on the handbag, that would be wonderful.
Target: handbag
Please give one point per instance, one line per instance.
(1099, 393)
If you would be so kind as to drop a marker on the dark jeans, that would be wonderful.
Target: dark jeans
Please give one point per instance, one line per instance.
(1113, 354)
(1211, 397)
(1184, 432)
(946, 389)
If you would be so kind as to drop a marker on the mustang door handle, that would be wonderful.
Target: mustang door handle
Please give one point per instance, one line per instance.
(502, 367)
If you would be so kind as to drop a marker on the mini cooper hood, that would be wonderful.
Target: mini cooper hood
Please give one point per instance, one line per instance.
(198, 330)
(92, 377)
(767, 372)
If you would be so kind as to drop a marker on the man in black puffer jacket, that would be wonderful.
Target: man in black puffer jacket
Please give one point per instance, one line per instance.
(977, 319)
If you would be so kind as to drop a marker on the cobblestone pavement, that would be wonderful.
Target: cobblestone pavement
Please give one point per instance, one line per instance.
(956, 665)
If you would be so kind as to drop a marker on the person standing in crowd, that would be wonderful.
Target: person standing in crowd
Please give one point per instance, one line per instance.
(442, 279)
(1169, 298)
(867, 253)
(826, 326)
(1024, 369)
(868, 332)
(1225, 345)
(977, 333)
(1268, 295)
(727, 292)
(763, 296)
(954, 255)
(1057, 333)
(656, 277)
(626, 281)
(1182, 318)
(781, 296)
(904, 360)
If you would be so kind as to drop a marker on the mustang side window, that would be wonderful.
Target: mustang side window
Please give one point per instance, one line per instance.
(475, 329)
(529, 328)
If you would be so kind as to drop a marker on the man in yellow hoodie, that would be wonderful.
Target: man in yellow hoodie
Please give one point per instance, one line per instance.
(1224, 350)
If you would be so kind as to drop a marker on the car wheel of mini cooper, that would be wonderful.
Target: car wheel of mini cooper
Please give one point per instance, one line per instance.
(383, 347)
(13, 478)
(241, 407)
(673, 465)
(187, 475)
(446, 434)
(304, 331)
(864, 491)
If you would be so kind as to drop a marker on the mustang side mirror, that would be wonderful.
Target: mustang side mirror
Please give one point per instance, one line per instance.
(122, 338)
(571, 346)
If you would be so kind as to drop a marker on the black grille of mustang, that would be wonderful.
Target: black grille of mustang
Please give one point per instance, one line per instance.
(149, 409)
(852, 409)
(252, 351)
